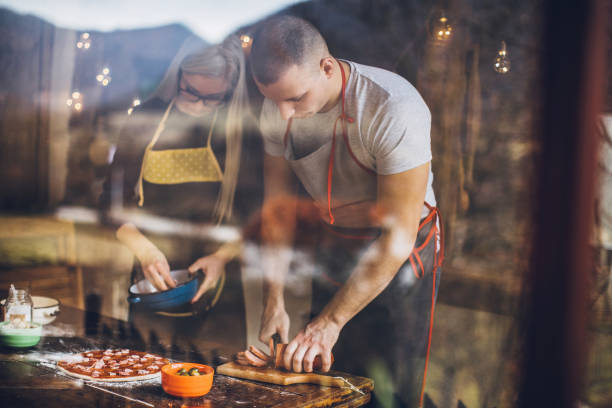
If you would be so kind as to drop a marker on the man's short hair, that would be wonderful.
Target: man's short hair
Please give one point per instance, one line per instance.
(283, 41)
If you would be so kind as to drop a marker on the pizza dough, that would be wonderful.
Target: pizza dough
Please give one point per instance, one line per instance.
(113, 365)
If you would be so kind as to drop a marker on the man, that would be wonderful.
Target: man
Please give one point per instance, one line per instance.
(358, 139)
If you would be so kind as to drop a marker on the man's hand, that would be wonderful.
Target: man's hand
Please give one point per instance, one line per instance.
(316, 339)
(274, 320)
(213, 267)
(155, 267)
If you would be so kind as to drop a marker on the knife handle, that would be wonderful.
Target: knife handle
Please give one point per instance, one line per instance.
(276, 338)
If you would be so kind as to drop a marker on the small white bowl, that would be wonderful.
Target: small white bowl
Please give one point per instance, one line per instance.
(45, 310)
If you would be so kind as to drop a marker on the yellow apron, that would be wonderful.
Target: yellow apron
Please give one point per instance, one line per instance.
(178, 166)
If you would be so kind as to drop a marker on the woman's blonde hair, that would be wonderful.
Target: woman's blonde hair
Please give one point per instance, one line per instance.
(222, 60)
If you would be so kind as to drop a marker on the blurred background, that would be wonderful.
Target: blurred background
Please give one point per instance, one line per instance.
(71, 73)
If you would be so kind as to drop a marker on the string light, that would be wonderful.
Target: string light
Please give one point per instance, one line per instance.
(135, 103)
(84, 41)
(75, 101)
(104, 77)
(442, 29)
(245, 40)
(502, 62)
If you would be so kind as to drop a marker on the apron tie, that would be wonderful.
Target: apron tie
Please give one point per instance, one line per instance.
(438, 233)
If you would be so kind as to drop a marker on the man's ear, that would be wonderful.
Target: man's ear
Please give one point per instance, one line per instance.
(328, 65)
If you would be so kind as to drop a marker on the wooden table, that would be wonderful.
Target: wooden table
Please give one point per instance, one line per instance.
(29, 377)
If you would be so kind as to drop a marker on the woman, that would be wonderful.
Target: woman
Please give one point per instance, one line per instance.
(167, 153)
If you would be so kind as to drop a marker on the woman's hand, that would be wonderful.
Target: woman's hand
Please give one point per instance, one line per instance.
(153, 262)
(155, 267)
(213, 267)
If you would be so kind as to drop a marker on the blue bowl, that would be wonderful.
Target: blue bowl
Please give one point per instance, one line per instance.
(144, 293)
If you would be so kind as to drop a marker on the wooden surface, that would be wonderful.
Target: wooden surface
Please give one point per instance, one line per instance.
(281, 377)
(29, 378)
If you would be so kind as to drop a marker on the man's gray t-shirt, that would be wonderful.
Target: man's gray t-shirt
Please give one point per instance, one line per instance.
(390, 135)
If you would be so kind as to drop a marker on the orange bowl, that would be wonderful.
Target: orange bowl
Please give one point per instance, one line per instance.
(186, 386)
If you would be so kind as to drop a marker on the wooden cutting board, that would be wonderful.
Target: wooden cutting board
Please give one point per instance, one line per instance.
(275, 376)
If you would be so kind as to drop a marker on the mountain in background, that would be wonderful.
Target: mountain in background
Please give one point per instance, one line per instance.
(137, 58)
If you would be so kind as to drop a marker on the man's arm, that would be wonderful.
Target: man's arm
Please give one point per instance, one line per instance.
(400, 202)
(277, 233)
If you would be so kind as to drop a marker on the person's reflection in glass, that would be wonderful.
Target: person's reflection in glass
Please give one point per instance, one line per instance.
(170, 155)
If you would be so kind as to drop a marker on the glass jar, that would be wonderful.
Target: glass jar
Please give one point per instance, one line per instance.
(18, 307)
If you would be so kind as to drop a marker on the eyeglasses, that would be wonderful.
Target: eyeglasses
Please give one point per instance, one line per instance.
(210, 100)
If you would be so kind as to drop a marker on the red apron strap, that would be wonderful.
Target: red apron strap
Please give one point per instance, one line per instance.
(330, 167)
(330, 174)
(437, 263)
(431, 322)
(343, 118)
(418, 258)
(414, 269)
(424, 244)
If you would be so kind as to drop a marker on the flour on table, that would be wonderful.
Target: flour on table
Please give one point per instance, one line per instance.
(59, 330)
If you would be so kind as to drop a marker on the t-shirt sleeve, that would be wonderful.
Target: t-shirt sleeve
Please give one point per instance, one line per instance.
(400, 135)
(272, 128)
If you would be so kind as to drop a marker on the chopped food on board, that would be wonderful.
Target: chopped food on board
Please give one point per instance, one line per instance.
(255, 357)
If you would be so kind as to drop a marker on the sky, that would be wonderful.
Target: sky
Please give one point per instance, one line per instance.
(211, 19)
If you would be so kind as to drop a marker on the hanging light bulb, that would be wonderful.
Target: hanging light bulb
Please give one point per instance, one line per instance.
(502, 62)
(104, 77)
(441, 29)
(75, 101)
(245, 40)
(135, 103)
(84, 41)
